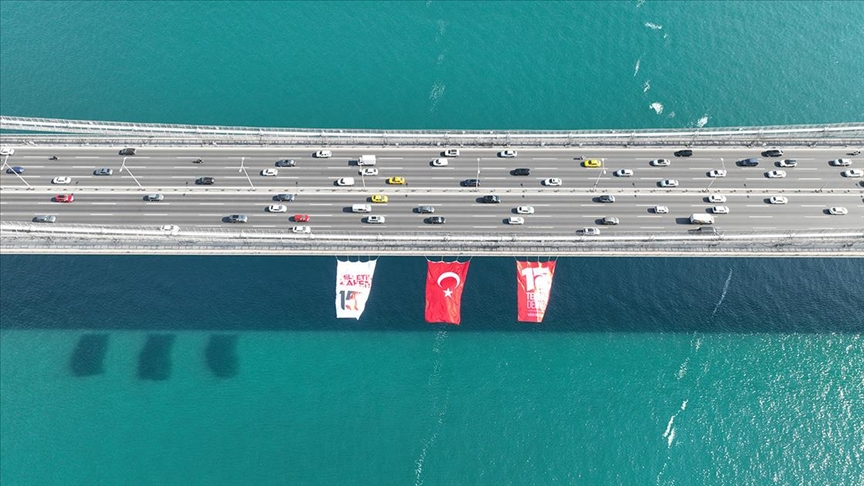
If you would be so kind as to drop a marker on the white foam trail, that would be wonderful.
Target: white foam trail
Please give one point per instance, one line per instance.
(682, 371)
(671, 438)
(653, 26)
(702, 121)
(684, 405)
(646, 86)
(657, 107)
(636, 71)
(639, 3)
(669, 425)
(434, 381)
(435, 94)
(723, 295)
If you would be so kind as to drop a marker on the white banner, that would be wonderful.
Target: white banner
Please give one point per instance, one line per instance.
(353, 284)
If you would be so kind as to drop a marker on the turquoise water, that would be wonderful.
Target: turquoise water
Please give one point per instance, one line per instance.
(233, 370)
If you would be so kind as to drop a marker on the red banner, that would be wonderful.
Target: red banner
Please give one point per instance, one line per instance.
(534, 282)
(444, 283)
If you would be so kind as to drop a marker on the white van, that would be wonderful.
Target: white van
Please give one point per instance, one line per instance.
(366, 160)
(361, 208)
(701, 219)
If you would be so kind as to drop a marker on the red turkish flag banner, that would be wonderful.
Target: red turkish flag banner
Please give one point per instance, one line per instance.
(444, 283)
(534, 282)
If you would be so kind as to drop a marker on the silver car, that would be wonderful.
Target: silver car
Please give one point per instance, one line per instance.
(45, 218)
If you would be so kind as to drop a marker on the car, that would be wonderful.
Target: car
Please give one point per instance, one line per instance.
(323, 154)
(270, 172)
(169, 228)
(450, 153)
(838, 211)
(772, 153)
(660, 163)
(205, 181)
(61, 180)
(379, 198)
(521, 171)
(375, 219)
(369, 171)
(836, 163)
(606, 198)
(515, 220)
(661, 210)
(6, 151)
(237, 218)
(609, 221)
(507, 154)
(470, 183)
(345, 181)
(590, 231)
(301, 218)
(277, 208)
(15, 170)
(45, 218)
(623, 173)
(435, 220)
(425, 209)
(490, 199)
(127, 151)
(154, 197)
(283, 197)
(301, 229)
(286, 163)
(720, 209)
(751, 162)
(684, 153)
(716, 198)
(525, 210)
(64, 198)
(669, 183)
(396, 181)
(717, 173)
(592, 163)
(777, 200)
(440, 162)
(552, 182)
(711, 230)
(104, 171)
(853, 173)
(787, 163)
(775, 174)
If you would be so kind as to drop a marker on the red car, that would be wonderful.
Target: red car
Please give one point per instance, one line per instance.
(301, 218)
(64, 198)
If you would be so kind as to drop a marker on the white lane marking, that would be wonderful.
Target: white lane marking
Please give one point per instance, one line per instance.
(85, 157)
(762, 217)
(545, 158)
(755, 205)
(820, 217)
(103, 203)
(532, 216)
(101, 214)
(494, 178)
(546, 168)
(391, 158)
(211, 204)
(443, 178)
(810, 179)
(263, 225)
(485, 216)
(320, 204)
(155, 214)
(649, 216)
(812, 205)
(651, 227)
(82, 166)
(484, 227)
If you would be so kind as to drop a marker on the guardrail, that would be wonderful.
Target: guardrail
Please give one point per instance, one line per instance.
(129, 133)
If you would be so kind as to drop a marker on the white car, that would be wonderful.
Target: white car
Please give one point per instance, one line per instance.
(590, 231)
(716, 198)
(720, 209)
(369, 171)
(269, 172)
(507, 154)
(787, 163)
(660, 163)
(838, 211)
(552, 182)
(277, 208)
(775, 174)
(525, 210)
(345, 181)
(375, 219)
(7, 151)
(840, 162)
(717, 173)
(169, 228)
(451, 153)
(440, 162)
(515, 220)
(853, 173)
(61, 180)
(323, 154)
(624, 173)
(301, 229)
(661, 210)
(777, 200)
(669, 183)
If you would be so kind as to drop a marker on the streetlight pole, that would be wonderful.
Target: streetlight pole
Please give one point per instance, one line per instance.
(123, 166)
(602, 173)
(478, 173)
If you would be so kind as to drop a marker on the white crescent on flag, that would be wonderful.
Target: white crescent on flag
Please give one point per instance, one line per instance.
(452, 275)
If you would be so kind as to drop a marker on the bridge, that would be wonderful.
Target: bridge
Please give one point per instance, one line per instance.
(112, 213)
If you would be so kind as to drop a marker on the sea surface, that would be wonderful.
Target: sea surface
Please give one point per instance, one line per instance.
(193, 370)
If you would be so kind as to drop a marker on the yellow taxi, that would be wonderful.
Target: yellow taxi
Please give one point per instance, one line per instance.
(379, 198)
(593, 163)
(396, 181)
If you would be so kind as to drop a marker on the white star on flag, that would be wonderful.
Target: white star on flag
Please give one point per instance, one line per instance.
(448, 292)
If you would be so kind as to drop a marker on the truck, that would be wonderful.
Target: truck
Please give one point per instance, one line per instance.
(701, 219)
(366, 160)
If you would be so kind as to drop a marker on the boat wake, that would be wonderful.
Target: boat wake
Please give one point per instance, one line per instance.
(723, 294)
(636, 71)
(653, 26)
(657, 107)
(434, 383)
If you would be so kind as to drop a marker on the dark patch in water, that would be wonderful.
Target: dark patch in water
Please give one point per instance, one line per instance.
(221, 355)
(88, 358)
(154, 361)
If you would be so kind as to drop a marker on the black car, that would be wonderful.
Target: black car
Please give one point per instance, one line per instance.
(205, 181)
(127, 151)
(471, 182)
(283, 197)
(751, 162)
(522, 171)
(425, 209)
(490, 199)
(684, 153)
(435, 220)
(286, 163)
(772, 153)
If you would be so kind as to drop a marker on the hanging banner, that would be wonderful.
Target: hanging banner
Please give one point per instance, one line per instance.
(534, 282)
(444, 283)
(353, 284)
